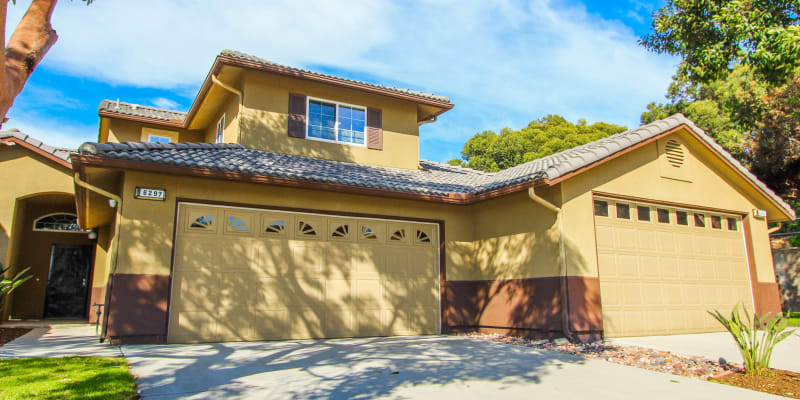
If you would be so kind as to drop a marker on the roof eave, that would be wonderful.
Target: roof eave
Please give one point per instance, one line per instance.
(176, 123)
(50, 156)
(235, 62)
(84, 160)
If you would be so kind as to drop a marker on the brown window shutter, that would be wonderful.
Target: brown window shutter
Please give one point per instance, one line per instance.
(374, 128)
(297, 115)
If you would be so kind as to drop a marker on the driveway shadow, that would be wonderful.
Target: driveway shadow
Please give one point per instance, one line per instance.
(338, 368)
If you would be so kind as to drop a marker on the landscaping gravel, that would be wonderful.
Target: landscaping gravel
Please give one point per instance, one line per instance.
(656, 360)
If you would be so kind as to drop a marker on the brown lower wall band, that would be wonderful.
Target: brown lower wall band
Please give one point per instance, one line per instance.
(767, 298)
(532, 304)
(140, 339)
(137, 305)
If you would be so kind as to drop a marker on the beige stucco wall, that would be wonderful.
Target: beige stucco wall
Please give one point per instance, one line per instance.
(16, 220)
(46, 177)
(230, 108)
(638, 174)
(147, 226)
(265, 116)
(505, 238)
(120, 130)
(515, 238)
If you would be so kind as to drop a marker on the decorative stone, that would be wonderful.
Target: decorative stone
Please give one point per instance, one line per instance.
(655, 360)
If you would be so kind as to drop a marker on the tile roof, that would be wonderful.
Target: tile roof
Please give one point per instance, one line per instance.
(137, 110)
(59, 152)
(432, 178)
(247, 57)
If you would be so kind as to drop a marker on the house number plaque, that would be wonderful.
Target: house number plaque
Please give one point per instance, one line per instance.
(150, 194)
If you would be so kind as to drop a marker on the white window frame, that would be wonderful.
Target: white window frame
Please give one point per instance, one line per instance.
(309, 99)
(220, 133)
(150, 138)
(35, 229)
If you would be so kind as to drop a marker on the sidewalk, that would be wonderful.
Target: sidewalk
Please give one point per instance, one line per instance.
(58, 340)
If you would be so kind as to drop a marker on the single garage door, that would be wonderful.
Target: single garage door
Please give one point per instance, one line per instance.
(662, 268)
(246, 274)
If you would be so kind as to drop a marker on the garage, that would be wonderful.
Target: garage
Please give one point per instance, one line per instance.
(244, 274)
(661, 267)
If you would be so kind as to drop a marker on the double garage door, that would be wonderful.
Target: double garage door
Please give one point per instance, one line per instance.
(662, 268)
(247, 274)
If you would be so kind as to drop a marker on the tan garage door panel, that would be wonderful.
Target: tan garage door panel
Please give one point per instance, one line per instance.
(662, 275)
(243, 274)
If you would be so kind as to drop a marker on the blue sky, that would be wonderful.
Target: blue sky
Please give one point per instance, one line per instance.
(502, 63)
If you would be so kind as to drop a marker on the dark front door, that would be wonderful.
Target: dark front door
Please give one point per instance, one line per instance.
(68, 281)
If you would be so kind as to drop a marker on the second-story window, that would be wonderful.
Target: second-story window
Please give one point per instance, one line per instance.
(336, 122)
(221, 129)
(158, 139)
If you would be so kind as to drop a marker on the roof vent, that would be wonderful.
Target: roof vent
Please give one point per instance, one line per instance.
(674, 153)
(13, 130)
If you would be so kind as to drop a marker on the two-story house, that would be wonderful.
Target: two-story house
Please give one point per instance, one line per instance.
(292, 204)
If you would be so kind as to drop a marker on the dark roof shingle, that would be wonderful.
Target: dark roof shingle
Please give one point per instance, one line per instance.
(59, 152)
(251, 58)
(138, 110)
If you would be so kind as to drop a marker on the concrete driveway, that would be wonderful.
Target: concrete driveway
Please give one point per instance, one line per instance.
(715, 345)
(399, 367)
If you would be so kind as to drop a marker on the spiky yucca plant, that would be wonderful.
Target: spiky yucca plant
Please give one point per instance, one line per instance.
(756, 349)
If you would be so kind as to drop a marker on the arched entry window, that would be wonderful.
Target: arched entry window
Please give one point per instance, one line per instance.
(58, 222)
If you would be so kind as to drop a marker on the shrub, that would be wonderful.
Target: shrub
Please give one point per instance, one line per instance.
(9, 284)
(756, 349)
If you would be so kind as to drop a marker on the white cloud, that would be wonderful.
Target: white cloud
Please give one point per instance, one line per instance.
(54, 132)
(37, 96)
(502, 62)
(163, 102)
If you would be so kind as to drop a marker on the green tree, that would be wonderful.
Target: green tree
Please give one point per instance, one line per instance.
(774, 147)
(757, 123)
(491, 152)
(712, 36)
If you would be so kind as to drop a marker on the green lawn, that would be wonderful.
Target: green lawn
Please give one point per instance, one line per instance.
(794, 319)
(66, 378)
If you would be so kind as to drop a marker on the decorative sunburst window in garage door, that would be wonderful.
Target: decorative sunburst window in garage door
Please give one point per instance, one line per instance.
(368, 233)
(202, 222)
(236, 224)
(423, 237)
(341, 231)
(277, 227)
(398, 235)
(306, 229)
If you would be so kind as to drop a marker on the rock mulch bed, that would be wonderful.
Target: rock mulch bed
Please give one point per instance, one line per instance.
(9, 334)
(656, 360)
